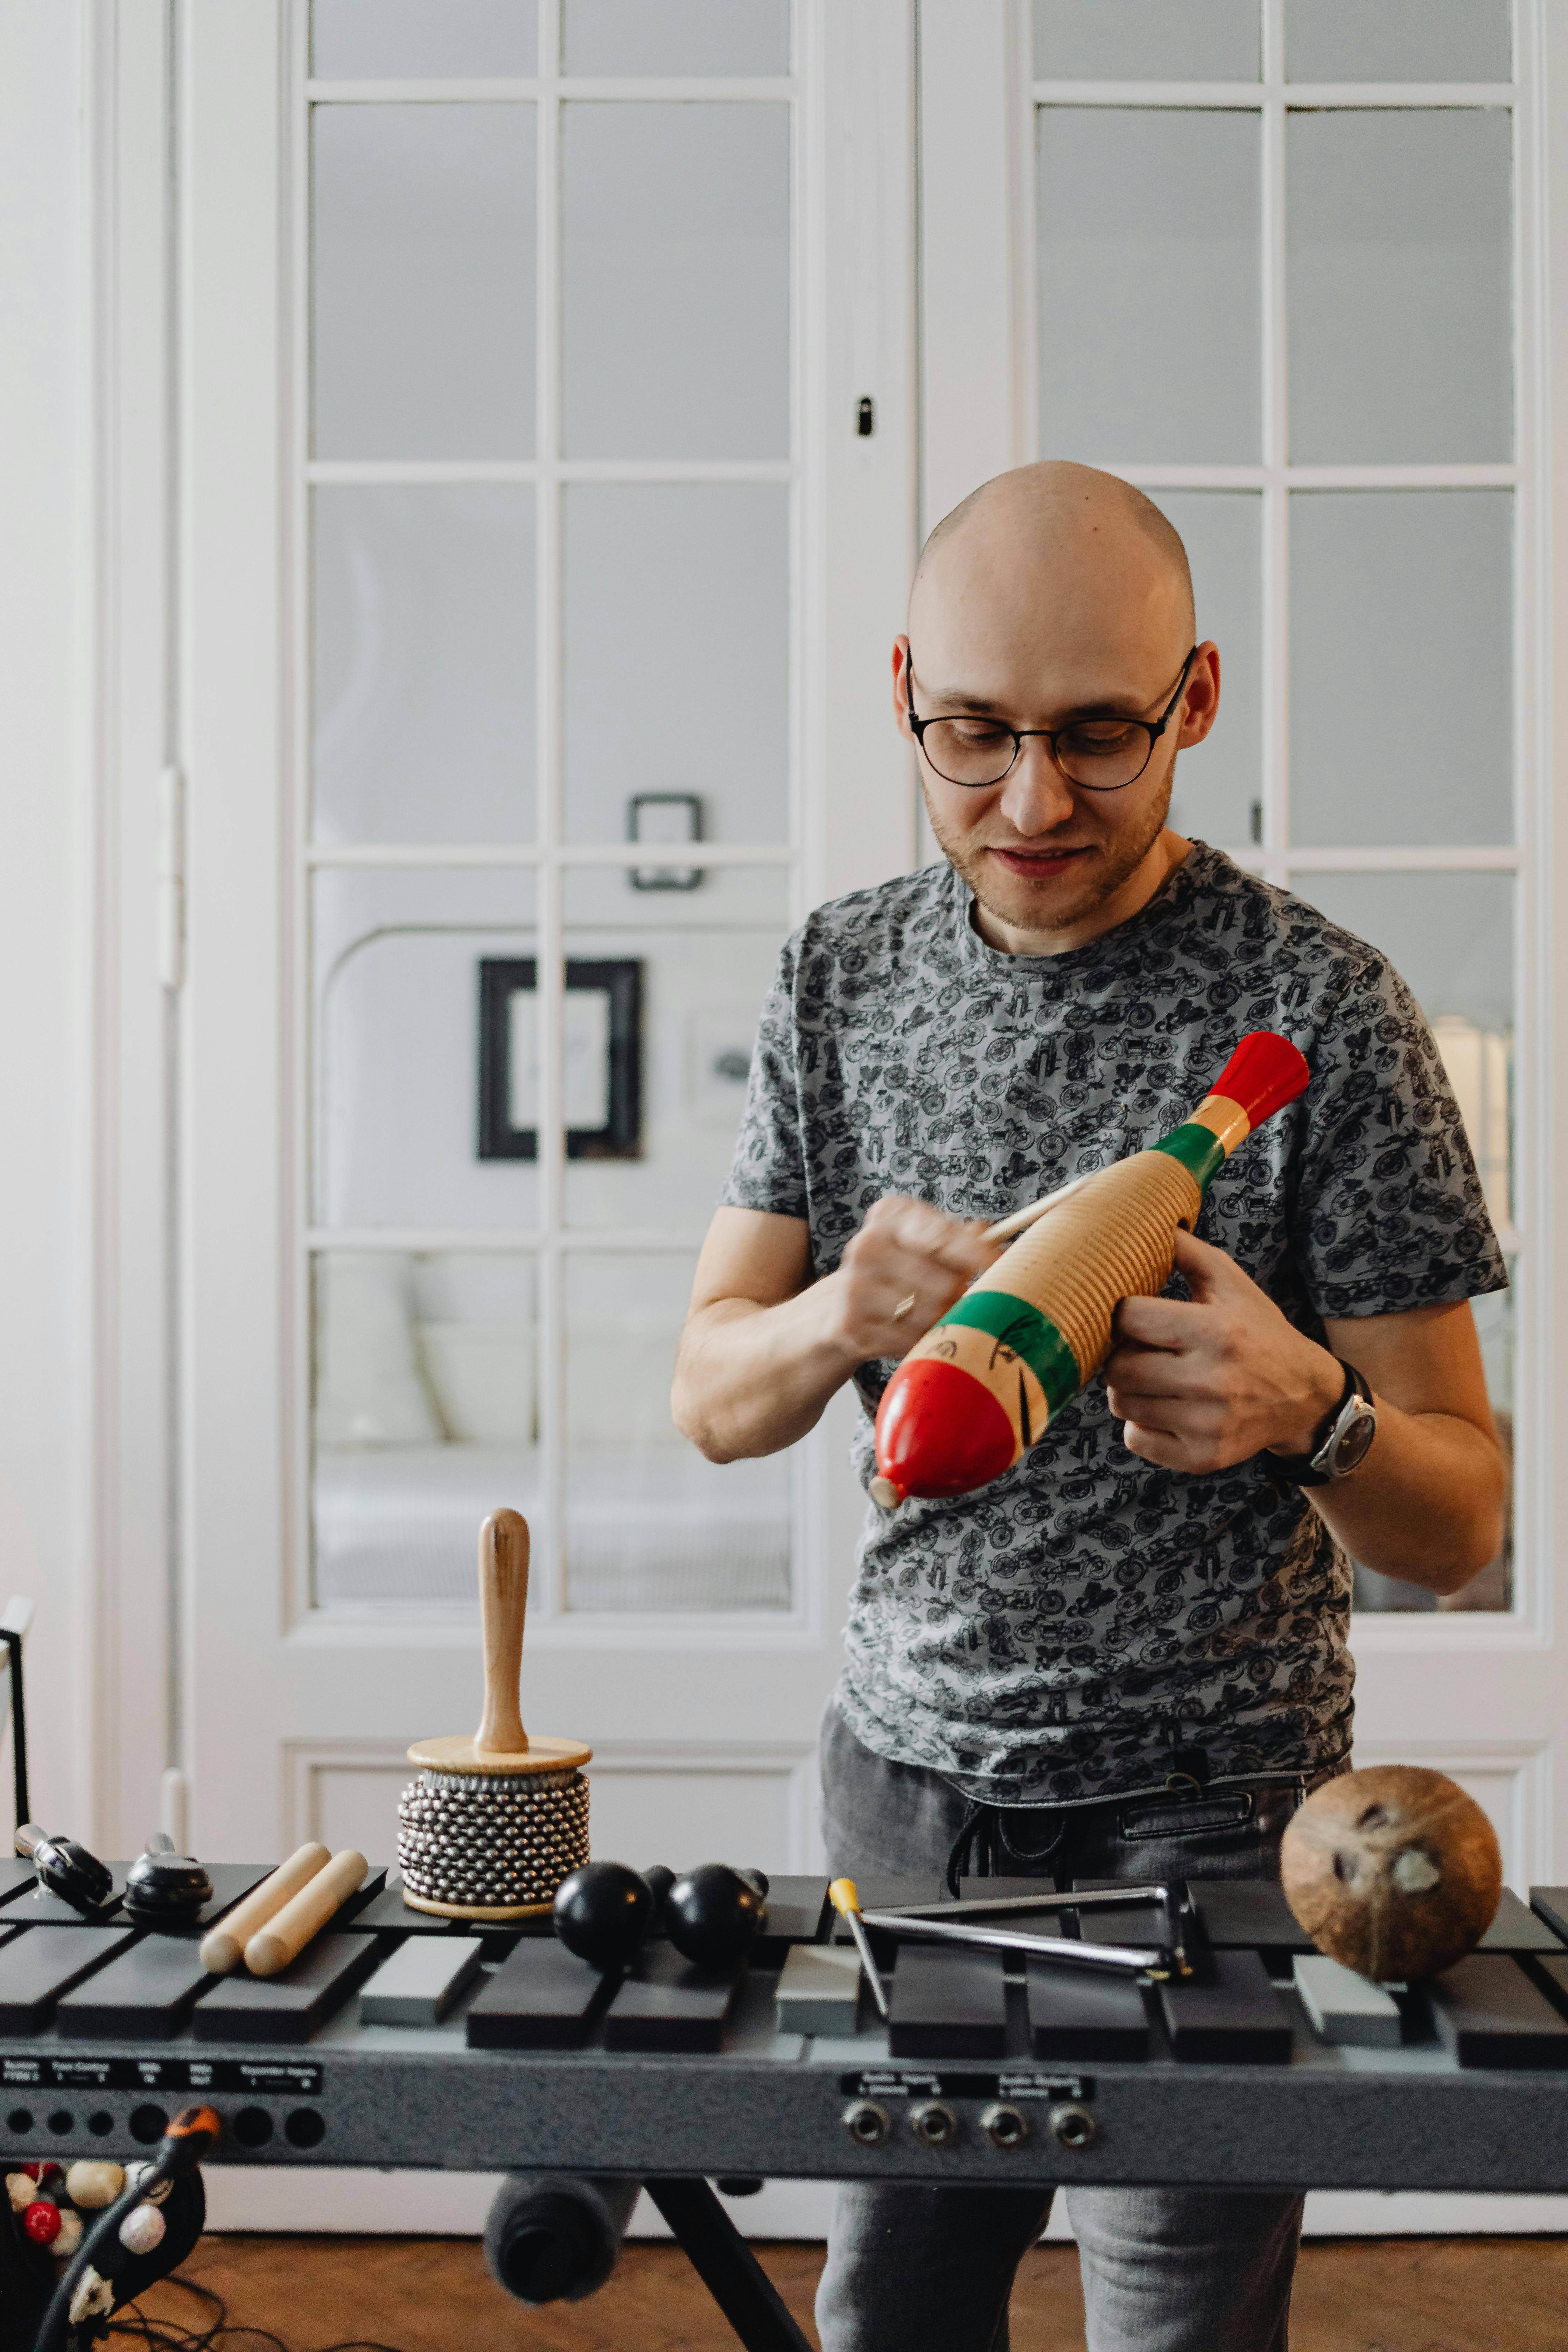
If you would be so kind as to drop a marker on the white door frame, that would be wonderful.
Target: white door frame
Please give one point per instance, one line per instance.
(126, 558)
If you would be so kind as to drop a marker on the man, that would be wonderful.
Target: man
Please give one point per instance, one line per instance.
(1127, 1656)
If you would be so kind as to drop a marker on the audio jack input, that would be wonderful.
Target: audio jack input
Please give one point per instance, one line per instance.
(1073, 2127)
(932, 2124)
(1005, 2126)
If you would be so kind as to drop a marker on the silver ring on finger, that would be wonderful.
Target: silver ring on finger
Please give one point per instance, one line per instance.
(904, 1307)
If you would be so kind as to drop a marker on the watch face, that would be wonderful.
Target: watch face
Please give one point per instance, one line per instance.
(1349, 1447)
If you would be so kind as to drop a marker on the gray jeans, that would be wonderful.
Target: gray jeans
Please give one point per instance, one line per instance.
(1165, 2270)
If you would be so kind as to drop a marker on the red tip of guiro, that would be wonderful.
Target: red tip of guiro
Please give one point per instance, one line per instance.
(1264, 1074)
(940, 1431)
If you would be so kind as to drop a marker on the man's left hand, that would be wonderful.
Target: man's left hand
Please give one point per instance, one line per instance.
(1204, 1385)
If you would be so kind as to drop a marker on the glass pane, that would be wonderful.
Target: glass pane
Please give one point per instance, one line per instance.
(425, 1415)
(679, 37)
(1398, 286)
(677, 654)
(1492, 1587)
(1451, 936)
(1397, 40)
(402, 1052)
(727, 898)
(651, 1525)
(395, 39)
(698, 964)
(423, 663)
(676, 281)
(1136, 207)
(422, 315)
(1147, 40)
(1217, 785)
(1401, 701)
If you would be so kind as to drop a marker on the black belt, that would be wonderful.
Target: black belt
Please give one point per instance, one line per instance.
(987, 1846)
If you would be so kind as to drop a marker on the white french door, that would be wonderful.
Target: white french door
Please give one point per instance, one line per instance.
(1283, 266)
(537, 575)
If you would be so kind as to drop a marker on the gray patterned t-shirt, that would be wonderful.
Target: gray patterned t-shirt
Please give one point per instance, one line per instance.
(1053, 1637)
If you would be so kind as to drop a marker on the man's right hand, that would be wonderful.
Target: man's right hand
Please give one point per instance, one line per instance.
(764, 1347)
(901, 1273)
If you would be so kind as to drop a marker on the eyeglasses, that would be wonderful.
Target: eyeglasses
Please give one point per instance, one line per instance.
(1103, 755)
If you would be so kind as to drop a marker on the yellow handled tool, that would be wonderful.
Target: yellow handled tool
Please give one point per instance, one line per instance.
(845, 1900)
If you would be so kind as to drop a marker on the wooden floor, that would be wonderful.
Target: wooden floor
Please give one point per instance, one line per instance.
(432, 2295)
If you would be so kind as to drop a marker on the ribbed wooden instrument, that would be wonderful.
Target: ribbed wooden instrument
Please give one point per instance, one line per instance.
(980, 1388)
(495, 1820)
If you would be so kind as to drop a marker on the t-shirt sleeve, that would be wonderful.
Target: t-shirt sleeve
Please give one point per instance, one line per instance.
(769, 1168)
(1389, 1211)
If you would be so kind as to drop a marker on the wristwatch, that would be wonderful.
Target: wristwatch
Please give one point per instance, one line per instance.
(1340, 1441)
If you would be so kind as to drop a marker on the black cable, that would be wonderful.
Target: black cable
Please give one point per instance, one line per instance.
(168, 2336)
(18, 1726)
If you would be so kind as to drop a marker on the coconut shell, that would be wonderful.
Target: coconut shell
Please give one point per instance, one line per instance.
(1393, 1872)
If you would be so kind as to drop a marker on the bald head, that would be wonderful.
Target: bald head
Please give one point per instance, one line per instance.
(1057, 541)
(1055, 605)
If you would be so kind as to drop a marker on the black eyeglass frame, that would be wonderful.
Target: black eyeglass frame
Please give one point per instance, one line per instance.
(1152, 728)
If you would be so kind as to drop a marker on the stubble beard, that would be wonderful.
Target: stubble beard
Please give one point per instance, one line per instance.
(1073, 897)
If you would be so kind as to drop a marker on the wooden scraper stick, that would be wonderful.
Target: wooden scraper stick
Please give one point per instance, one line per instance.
(503, 1606)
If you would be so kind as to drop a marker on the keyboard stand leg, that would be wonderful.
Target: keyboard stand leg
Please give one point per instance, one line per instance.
(727, 2266)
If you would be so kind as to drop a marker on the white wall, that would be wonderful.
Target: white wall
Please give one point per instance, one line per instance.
(45, 1486)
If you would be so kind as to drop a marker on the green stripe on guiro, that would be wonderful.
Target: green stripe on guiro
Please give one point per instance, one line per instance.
(1199, 1151)
(1028, 1333)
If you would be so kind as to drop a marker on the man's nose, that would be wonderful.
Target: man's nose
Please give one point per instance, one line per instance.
(1036, 795)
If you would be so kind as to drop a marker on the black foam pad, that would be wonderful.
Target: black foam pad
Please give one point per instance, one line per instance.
(1488, 2013)
(991, 1890)
(1142, 1924)
(1551, 1904)
(665, 2003)
(372, 1915)
(886, 1894)
(1227, 2013)
(541, 1998)
(1050, 1912)
(290, 2006)
(40, 1964)
(231, 1880)
(16, 1874)
(1078, 2013)
(947, 2002)
(38, 1908)
(796, 1910)
(144, 1995)
(1247, 1915)
(1518, 1928)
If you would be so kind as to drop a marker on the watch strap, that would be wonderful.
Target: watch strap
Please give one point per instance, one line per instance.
(1301, 1469)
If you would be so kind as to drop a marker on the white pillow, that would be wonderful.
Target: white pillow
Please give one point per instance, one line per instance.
(483, 1379)
(369, 1387)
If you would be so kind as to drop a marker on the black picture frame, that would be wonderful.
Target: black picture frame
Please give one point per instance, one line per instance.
(619, 978)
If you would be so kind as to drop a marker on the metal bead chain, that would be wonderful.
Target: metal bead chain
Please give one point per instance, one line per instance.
(492, 1838)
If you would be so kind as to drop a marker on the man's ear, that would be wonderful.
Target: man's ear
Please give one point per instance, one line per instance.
(902, 688)
(1201, 703)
